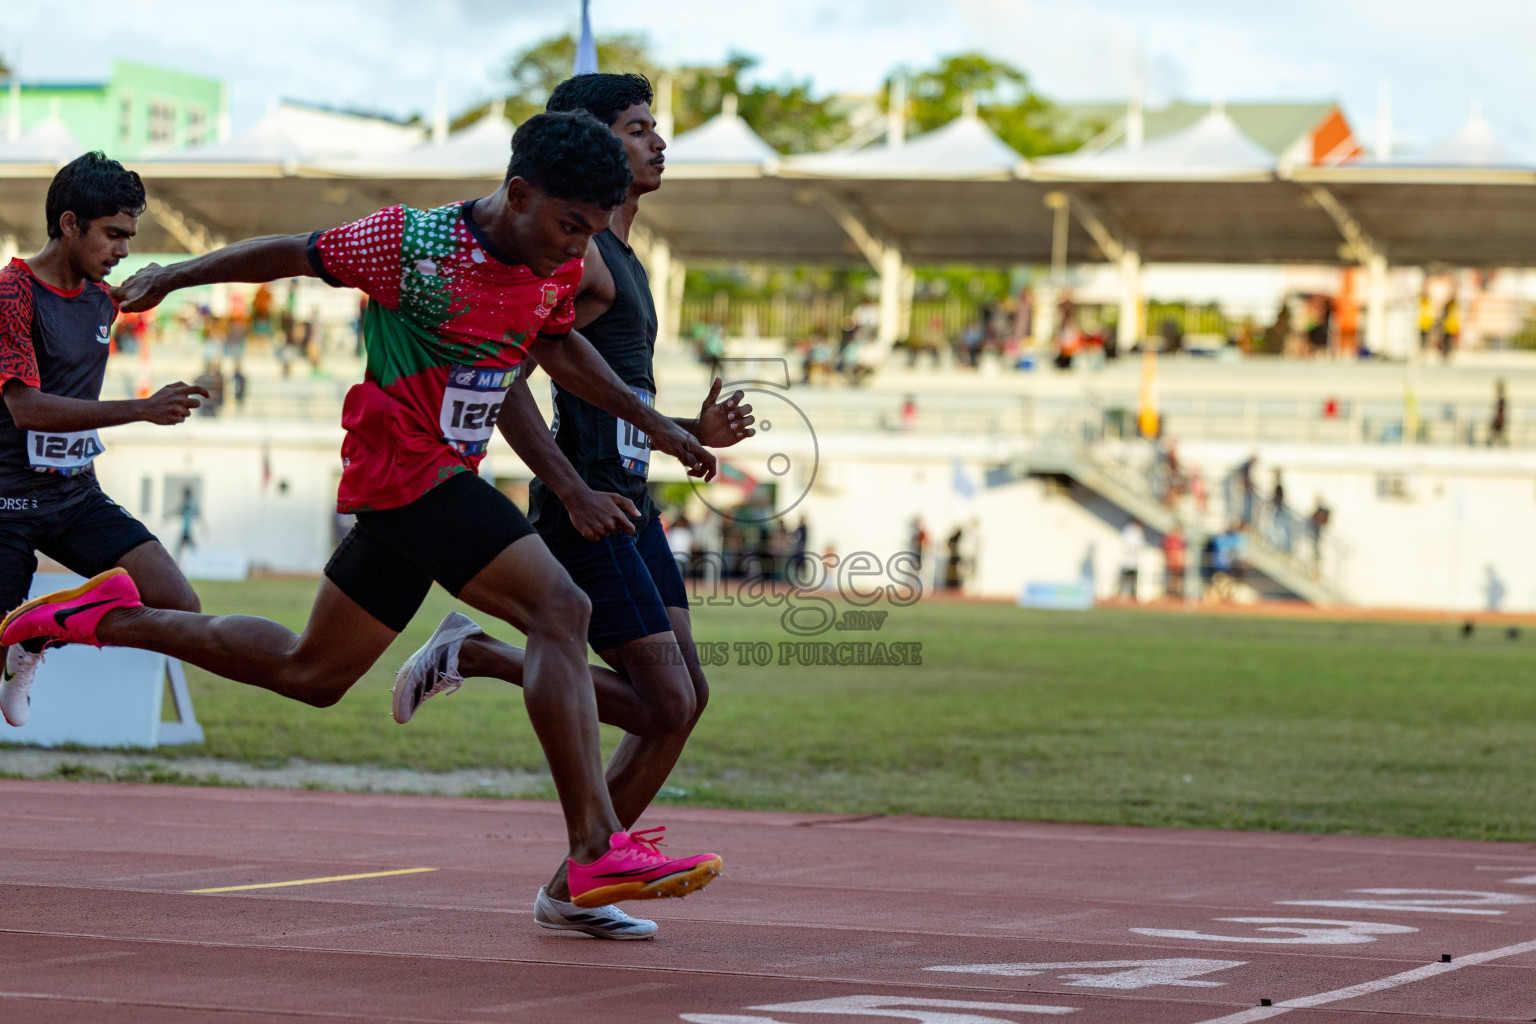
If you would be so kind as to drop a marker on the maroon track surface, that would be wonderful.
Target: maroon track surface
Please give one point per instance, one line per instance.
(817, 918)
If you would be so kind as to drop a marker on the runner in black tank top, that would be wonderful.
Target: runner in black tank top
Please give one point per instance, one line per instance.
(608, 454)
(56, 318)
(591, 506)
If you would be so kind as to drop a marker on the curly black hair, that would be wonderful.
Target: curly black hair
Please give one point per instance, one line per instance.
(605, 97)
(92, 186)
(571, 155)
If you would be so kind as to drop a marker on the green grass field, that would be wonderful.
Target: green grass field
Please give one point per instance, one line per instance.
(1107, 716)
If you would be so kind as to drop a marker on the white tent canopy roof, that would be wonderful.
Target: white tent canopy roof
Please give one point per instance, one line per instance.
(48, 142)
(965, 149)
(293, 134)
(479, 151)
(725, 140)
(1473, 145)
(1212, 149)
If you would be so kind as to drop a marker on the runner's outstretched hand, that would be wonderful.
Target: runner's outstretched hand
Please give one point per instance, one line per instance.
(144, 290)
(680, 444)
(172, 403)
(722, 424)
(597, 514)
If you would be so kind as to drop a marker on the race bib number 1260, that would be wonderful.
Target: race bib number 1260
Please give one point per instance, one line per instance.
(471, 406)
(65, 454)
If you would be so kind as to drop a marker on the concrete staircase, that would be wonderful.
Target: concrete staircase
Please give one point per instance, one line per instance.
(1128, 487)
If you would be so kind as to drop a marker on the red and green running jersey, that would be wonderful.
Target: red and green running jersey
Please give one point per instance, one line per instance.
(447, 323)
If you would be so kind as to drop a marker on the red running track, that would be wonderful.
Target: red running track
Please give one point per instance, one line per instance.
(817, 919)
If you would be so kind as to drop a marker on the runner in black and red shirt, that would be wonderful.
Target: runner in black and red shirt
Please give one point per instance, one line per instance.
(55, 327)
(457, 297)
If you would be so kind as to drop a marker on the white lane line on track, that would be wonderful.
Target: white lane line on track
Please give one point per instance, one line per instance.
(1368, 987)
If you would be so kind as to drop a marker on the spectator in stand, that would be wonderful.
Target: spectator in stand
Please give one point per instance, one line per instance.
(1316, 523)
(954, 564)
(212, 381)
(1174, 560)
(680, 543)
(189, 513)
(1280, 523)
(1245, 488)
(909, 413)
(1498, 426)
(917, 541)
(238, 383)
(1197, 491)
(1450, 327)
(1426, 320)
(1227, 549)
(1132, 540)
(261, 312)
(1321, 328)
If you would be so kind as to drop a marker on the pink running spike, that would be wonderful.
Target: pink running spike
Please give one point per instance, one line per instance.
(71, 616)
(634, 868)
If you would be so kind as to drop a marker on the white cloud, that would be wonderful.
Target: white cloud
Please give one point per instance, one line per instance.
(390, 54)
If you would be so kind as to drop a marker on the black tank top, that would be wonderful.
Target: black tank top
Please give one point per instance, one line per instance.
(608, 453)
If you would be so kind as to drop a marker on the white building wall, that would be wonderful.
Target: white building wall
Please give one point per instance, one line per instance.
(1454, 534)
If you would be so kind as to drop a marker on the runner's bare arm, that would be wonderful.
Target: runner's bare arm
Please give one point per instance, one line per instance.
(595, 514)
(596, 292)
(253, 260)
(32, 409)
(575, 365)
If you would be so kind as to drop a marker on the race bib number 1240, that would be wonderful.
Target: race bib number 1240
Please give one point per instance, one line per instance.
(65, 454)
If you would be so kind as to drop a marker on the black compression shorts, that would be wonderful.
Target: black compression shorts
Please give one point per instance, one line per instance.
(389, 559)
(88, 536)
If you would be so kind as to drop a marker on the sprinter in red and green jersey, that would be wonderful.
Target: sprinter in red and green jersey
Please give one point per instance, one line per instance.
(457, 297)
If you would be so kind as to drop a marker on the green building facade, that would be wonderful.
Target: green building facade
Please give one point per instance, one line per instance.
(139, 111)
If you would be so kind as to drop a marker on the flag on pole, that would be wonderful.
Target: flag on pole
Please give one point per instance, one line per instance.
(960, 481)
(586, 48)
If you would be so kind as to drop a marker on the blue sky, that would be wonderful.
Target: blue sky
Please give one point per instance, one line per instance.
(390, 54)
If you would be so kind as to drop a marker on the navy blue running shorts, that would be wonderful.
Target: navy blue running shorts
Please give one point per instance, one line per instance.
(631, 581)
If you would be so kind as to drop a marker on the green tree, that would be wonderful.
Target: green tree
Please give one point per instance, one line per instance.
(533, 73)
(787, 115)
(1024, 119)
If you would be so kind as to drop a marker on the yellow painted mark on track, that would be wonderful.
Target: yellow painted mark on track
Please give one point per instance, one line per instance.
(313, 881)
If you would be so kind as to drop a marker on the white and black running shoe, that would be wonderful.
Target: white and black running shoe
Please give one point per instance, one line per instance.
(434, 668)
(16, 684)
(601, 922)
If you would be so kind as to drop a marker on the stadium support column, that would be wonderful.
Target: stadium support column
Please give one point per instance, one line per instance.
(895, 295)
(665, 274)
(672, 327)
(1376, 302)
(1116, 245)
(1048, 298)
(1130, 329)
(10, 248)
(658, 267)
(879, 246)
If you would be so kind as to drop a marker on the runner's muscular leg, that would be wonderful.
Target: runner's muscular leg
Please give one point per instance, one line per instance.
(526, 587)
(338, 645)
(160, 582)
(641, 765)
(647, 693)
